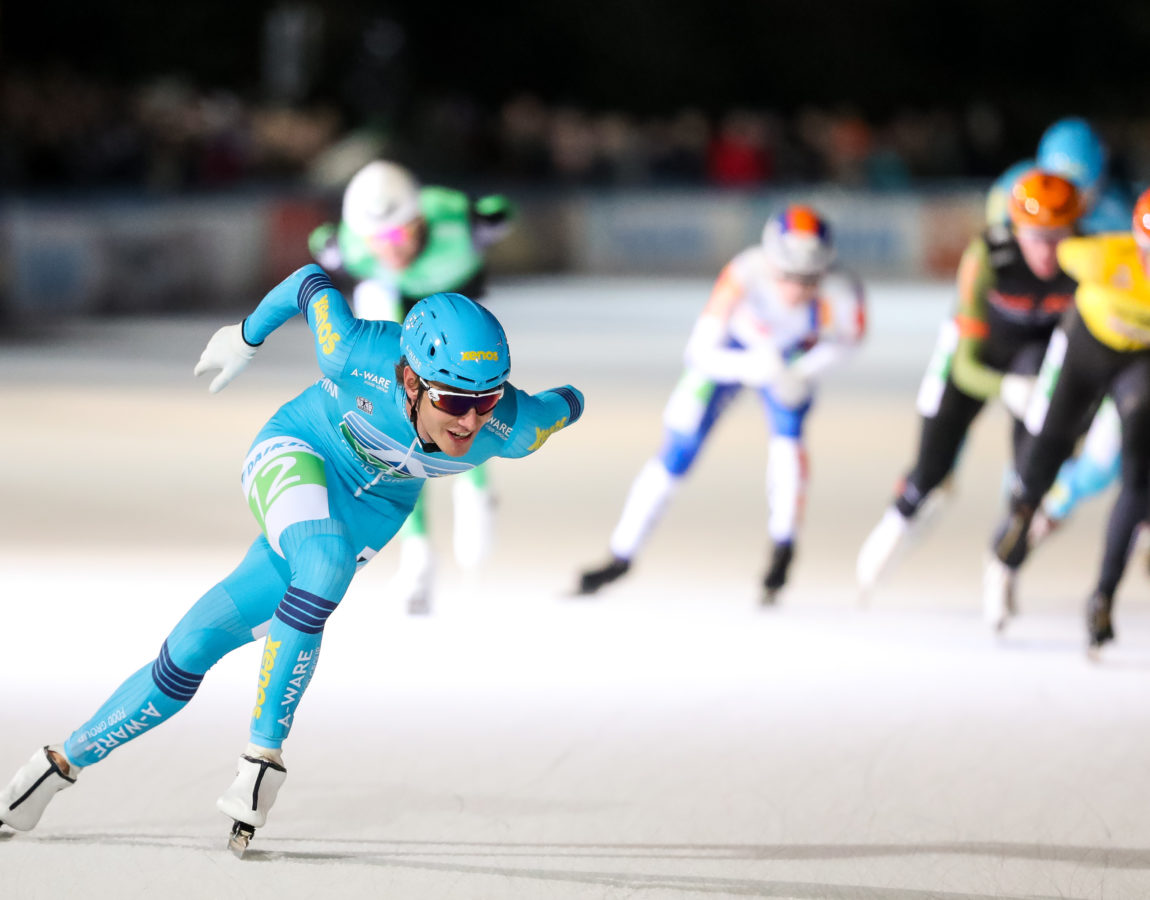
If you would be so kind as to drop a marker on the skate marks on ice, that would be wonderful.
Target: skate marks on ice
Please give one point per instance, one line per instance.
(478, 858)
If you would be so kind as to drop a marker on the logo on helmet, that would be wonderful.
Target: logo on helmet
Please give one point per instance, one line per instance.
(468, 355)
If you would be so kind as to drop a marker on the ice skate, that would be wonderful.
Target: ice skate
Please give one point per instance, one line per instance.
(1012, 544)
(1098, 625)
(776, 576)
(24, 800)
(593, 579)
(415, 578)
(474, 523)
(997, 594)
(250, 797)
(879, 549)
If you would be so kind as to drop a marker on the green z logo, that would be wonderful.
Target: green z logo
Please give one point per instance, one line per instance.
(282, 472)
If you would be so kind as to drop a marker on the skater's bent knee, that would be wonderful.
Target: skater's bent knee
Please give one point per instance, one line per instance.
(321, 556)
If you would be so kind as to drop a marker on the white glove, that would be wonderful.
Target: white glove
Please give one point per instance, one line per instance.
(790, 388)
(227, 351)
(1015, 392)
(764, 366)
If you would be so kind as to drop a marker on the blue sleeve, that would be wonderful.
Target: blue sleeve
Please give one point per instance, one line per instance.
(309, 291)
(538, 416)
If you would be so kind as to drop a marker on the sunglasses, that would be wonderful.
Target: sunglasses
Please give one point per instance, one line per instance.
(391, 235)
(458, 404)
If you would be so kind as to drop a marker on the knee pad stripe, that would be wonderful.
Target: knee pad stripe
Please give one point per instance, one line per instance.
(304, 611)
(171, 679)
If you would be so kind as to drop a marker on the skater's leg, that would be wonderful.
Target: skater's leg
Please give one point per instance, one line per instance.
(692, 411)
(941, 436)
(322, 564)
(321, 560)
(1132, 397)
(1075, 375)
(1093, 470)
(786, 482)
(414, 579)
(473, 517)
(940, 441)
(227, 616)
(220, 621)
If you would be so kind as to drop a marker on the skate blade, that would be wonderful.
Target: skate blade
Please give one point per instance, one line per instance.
(239, 839)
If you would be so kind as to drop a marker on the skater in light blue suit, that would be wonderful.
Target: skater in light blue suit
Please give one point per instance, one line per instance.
(330, 479)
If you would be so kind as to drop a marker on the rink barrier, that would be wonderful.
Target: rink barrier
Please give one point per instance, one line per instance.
(179, 254)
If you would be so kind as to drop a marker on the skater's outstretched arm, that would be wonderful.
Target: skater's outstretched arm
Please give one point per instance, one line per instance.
(526, 421)
(309, 291)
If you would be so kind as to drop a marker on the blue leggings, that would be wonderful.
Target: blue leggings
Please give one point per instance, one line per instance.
(682, 444)
(290, 601)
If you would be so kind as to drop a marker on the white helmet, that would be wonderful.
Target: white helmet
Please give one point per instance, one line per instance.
(380, 195)
(798, 242)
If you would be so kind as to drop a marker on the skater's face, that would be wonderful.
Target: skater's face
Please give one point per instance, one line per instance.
(1039, 248)
(397, 247)
(452, 421)
(796, 290)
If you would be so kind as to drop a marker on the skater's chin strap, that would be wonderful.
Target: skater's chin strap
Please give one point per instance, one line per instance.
(425, 446)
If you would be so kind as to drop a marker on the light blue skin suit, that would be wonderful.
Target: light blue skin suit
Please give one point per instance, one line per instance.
(346, 446)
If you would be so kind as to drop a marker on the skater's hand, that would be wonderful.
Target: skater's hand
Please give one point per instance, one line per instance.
(790, 388)
(227, 351)
(766, 365)
(1015, 392)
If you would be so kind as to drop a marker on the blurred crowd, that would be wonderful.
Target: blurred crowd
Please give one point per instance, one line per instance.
(64, 131)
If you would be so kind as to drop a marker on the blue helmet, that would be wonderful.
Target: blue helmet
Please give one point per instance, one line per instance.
(453, 340)
(1073, 149)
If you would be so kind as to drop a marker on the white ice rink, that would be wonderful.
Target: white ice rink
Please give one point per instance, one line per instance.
(668, 739)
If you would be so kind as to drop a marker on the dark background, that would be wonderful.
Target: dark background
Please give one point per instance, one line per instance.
(436, 76)
(643, 56)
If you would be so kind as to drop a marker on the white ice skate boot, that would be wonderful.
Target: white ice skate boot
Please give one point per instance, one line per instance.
(997, 593)
(250, 797)
(474, 523)
(415, 577)
(879, 549)
(26, 797)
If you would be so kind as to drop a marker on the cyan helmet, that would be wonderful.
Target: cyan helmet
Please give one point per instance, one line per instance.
(453, 340)
(1073, 149)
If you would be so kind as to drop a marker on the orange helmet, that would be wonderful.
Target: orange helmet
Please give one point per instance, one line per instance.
(1042, 200)
(1141, 223)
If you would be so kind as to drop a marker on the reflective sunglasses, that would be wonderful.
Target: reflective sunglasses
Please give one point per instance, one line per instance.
(391, 235)
(459, 404)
